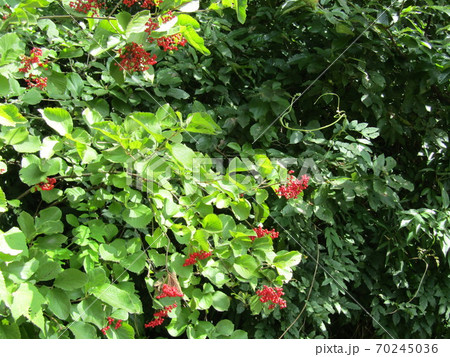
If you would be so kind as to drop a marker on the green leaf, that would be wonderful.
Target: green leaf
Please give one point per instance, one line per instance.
(71, 52)
(184, 155)
(13, 136)
(324, 214)
(177, 93)
(245, 266)
(23, 270)
(187, 20)
(202, 123)
(220, 301)
(116, 72)
(190, 6)
(29, 145)
(12, 244)
(58, 119)
(224, 328)
(3, 202)
(32, 174)
(178, 325)
(4, 86)
(114, 252)
(241, 7)
(215, 275)
(26, 224)
(48, 270)
(212, 223)
(5, 295)
(32, 96)
(58, 303)
(201, 236)
(135, 262)
(344, 29)
(71, 279)
(200, 331)
(57, 85)
(137, 24)
(90, 310)
(9, 331)
(124, 332)
(83, 330)
(10, 116)
(120, 296)
(27, 301)
(195, 40)
(445, 198)
(11, 47)
(158, 239)
(261, 196)
(287, 259)
(203, 301)
(241, 209)
(138, 216)
(239, 334)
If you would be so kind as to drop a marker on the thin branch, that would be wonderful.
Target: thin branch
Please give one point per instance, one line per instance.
(420, 285)
(115, 8)
(77, 17)
(307, 297)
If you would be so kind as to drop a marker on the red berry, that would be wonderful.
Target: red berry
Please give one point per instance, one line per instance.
(169, 291)
(192, 259)
(293, 187)
(135, 58)
(273, 295)
(260, 232)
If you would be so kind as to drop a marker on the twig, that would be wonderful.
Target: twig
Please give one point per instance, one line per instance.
(417, 291)
(77, 17)
(307, 297)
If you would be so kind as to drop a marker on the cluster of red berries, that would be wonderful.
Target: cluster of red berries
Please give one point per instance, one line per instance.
(5, 16)
(167, 16)
(47, 186)
(33, 81)
(165, 311)
(145, 4)
(273, 295)
(151, 26)
(87, 5)
(293, 187)
(135, 58)
(171, 42)
(155, 322)
(27, 65)
(167, 43)
(169, 291)
(260, 232)
(160, 315)
(194, 257)
(110, 322)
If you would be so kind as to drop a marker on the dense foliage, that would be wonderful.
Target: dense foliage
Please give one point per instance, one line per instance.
(224, 169)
